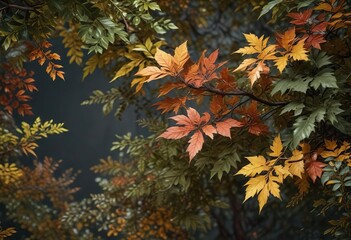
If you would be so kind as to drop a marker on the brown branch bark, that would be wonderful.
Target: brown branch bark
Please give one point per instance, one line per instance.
(238, 92)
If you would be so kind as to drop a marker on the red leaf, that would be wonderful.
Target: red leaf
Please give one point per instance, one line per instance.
(315, 41)
(315, 169)
(300, 18)
(257, 127)
(195, 144)
(223, 128)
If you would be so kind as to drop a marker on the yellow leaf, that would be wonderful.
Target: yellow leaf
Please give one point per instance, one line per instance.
(263, 197)
(296, 164)
(298, 52)
(181, 55)
(330, 145)
(127, 68)
(277, 147)
(268, 53)
(258, 43)
(326, 154)
(165, 60)
(282, 172)
(152, 73)
(139, 82)
(245, 64)
(273, 188)
(254, 186)
(281, 62)
(257, 165)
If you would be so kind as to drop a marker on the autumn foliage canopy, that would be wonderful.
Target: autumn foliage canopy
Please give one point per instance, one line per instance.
(244, 139)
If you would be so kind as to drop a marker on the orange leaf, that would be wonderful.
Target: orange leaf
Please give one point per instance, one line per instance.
(286, 40)
(223, 128)
(176, 132)
(195, 144)
(152, 73)
(169, 86)
(209, 130)
(171, 104)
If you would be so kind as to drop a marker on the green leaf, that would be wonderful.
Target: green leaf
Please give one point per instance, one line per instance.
(325, 79)
(299, 84)
(269, 7)
(304, 4)
(304, 126)
(333, 109)
(342, 125)
(321, 59)
(325, 177)
(293, 106)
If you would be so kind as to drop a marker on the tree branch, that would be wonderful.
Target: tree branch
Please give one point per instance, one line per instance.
(237, 92)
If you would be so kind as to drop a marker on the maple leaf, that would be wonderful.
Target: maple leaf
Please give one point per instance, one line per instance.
(204, 70)
(217, 105)
(314, 169)
(254, 186)
(292, 48)
(255, 73)
(152, 73)
(276, 147)
(298, 52)
(165, 60)
(300, 18)
(186, 125)
(169, 86)
(223, 128)
(245, 64)
(314, 40)
(256, 45)
(256, 65)
(256, 166)
(181, 55)
(195, 144)
(170, 104)
(330, 144)
(286, 39)
(295, 164)
(251, 119)
(226, 82)
(281, 62)
(177, 132)
(263, 186)
(209, 130)
(170, 66)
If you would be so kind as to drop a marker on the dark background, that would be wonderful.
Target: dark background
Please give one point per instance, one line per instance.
(90, 132)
